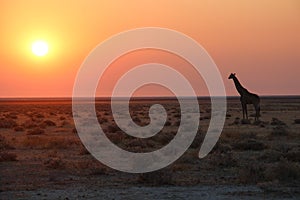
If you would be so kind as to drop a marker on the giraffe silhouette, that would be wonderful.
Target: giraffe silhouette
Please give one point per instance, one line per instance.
(246, 98)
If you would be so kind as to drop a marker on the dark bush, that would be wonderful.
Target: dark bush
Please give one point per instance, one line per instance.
(7, 123)
(251, 173)
(284, 171)
(250, 144)
(163, 177)
(5, 156)
(297, 121)
(279, 131)
(19, 129)
(276, 121)
(36, 131)
(49, 123)
(4, 144)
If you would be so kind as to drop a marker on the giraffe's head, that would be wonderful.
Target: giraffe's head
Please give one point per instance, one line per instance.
(231, 76)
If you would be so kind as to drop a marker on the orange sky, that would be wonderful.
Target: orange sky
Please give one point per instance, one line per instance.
(259, 40)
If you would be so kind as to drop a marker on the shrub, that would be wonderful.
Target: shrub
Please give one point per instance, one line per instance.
(29, 124)
(74, 130)
(245, 121)
(36, 131)
(236, 121)
(113, 128)
(271, 156)
(197, 140)
(163, 177)
(5, 156)
(297, 121)
(116, 138)
(223, 160)
(168, 123)
(18, 129)
(39, 115)
(49, 123)
(284, 171)
(4, 144)
(222, 147)
(250, 144)
(7, 123)
(62, 118)
(279, 131)
(251, 173)
(293, 155)
(11, 115)
(276, 121)
(83, 151)
(54, 163)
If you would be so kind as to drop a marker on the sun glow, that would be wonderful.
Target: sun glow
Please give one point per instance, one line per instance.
(39, 48)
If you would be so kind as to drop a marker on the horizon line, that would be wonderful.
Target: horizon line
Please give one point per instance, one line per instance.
(141, 97)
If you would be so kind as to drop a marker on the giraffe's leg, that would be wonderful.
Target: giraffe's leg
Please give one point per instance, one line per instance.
(243, 111)
(256, 113)
(257, 110)
(243, 107)
(246, 111)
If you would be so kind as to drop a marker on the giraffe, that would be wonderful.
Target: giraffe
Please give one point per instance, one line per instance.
(246, 98)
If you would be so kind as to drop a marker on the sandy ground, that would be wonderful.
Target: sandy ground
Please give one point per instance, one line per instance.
(42, 156)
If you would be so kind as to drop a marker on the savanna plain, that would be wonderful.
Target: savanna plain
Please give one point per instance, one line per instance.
(42, 156)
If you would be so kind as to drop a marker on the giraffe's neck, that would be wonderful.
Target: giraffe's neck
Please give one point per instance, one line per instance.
(239, 86)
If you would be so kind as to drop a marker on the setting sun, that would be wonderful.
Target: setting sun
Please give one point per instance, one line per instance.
(39, 48)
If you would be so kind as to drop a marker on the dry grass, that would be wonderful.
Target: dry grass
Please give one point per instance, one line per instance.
(4, 144)
(250, 144)
(279, 131)
(284, 171)
(225, 160)
(7, 123)
(54, 163)
(44, 136)
(49, 142)
(19, 129)
(252, 173)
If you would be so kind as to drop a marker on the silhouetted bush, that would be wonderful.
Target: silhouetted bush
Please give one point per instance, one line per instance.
(284, 171)
(251, 173)
(36, 131)
(279, 131)
(54, 163)
(270, 156)
(113, 128)
(163, 177)
(7, 123)
(49, 123)
(4, 144)
(62, 118)
(223, 160)
(250, 144)
(19, 129)
(297, 121)
(39, 115)
(29, 124)
(293, 155)
(6, 156)
(245, 121)
(276, 121)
